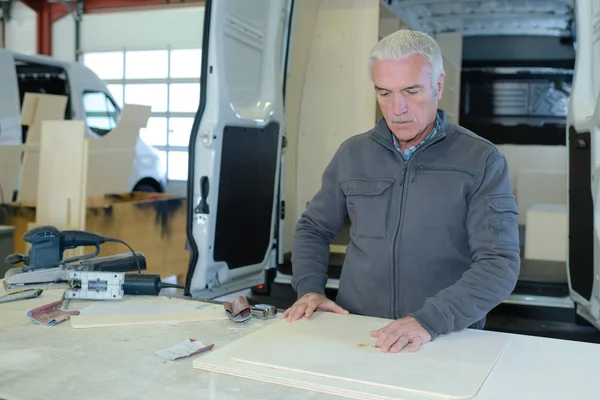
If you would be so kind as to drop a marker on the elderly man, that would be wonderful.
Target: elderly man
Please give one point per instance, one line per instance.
(434, 235)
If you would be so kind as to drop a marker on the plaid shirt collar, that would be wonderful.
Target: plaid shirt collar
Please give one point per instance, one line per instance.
(410, 151)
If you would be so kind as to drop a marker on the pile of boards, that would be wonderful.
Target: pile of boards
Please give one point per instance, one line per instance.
(59, 166)
(334, 354)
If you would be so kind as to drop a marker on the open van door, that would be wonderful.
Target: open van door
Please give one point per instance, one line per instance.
(583, 130)
(10, 104)
(235, 151)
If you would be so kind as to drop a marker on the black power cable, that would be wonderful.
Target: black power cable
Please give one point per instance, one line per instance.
(129, 247)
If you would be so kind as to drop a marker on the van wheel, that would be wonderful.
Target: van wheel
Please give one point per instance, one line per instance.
(145, 188)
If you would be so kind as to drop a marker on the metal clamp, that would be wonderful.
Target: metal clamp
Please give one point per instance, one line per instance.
(264, 311)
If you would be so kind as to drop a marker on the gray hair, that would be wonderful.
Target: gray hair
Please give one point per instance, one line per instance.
(404, 43)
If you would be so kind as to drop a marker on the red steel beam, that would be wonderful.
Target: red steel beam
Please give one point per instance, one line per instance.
(47, 14)
(96, 6)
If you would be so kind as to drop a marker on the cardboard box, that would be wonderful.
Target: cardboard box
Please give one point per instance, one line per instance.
(151, 223)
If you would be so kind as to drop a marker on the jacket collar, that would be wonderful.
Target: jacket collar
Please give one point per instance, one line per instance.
(382, 134)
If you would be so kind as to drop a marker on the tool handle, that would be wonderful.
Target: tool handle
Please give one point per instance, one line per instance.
(117, 263)
(142, 284)
(73, 239)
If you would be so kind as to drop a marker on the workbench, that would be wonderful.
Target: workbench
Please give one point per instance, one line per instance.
(38, 362)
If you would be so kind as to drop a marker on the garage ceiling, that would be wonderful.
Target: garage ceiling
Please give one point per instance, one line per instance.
(486, 17)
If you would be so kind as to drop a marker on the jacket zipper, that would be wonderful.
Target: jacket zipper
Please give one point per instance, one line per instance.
(399, 225)
(393, 247)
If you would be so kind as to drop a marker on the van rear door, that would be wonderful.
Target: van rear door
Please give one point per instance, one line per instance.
(236, 146)
(10, 105)
(583, 133)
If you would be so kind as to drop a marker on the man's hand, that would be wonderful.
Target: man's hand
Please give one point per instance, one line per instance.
(398, 334)
(308, 304)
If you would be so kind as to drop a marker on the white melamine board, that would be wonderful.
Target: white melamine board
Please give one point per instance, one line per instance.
(146, 311)
(62, 174)
(111, 157)
(335, 354)
(10, 161)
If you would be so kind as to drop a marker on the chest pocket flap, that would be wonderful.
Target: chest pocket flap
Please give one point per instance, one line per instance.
(368, 203)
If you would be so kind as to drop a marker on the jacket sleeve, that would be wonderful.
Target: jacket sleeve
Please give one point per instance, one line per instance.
(493, 234)
(318, 225)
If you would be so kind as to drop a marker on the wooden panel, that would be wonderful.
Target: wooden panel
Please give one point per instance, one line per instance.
(154, 225)
(338, 100)
(146, 310)
(451, 46)
(36, 108)
(546, 236)
(62, 175)
(305, 16)
(539, 186)
(335, 354)
(151, 223)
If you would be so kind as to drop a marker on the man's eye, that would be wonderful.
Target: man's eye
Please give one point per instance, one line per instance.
(412, 92)
(384, 94)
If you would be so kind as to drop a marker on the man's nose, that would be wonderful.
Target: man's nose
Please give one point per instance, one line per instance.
(399, 104)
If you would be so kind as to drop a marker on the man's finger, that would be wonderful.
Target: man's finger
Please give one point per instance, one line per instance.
(297, 313)
(285, 314)
(400, 344)
(339, 310)
(310, 309)
(393, 340)
(376, 333)
(382, 337)
(331, 306)
(416, 343)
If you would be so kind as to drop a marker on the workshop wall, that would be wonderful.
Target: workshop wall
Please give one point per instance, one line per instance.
(134, 30)
(21, 29)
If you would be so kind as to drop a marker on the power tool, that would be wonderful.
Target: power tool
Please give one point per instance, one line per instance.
(48, 245)
(88, 277)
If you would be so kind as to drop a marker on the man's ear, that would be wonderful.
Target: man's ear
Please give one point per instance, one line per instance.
(440, 86)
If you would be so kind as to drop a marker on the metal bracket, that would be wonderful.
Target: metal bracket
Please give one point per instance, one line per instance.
(77, 11)
(95, 285)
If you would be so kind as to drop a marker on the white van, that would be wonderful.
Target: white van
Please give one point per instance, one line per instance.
(236, 204)
(88, 99)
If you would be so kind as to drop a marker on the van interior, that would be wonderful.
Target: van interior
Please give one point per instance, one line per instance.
(40, 78)
(515, 78)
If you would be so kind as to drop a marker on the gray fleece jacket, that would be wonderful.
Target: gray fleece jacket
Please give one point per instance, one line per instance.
(435, 237)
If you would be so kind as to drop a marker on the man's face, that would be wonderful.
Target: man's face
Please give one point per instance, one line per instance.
(406, 96)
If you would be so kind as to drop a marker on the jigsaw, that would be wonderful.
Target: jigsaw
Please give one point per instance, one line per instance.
(44, 263)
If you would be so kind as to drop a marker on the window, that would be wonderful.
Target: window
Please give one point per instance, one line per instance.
(107, 65)
(100, 113)
(184, 97)
(186, 63)
(147, 64)
(168, 80)
(155, 132)
(179, 131)
(149, 94)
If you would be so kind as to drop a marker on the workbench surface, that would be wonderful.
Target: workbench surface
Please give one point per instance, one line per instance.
(39, 362)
